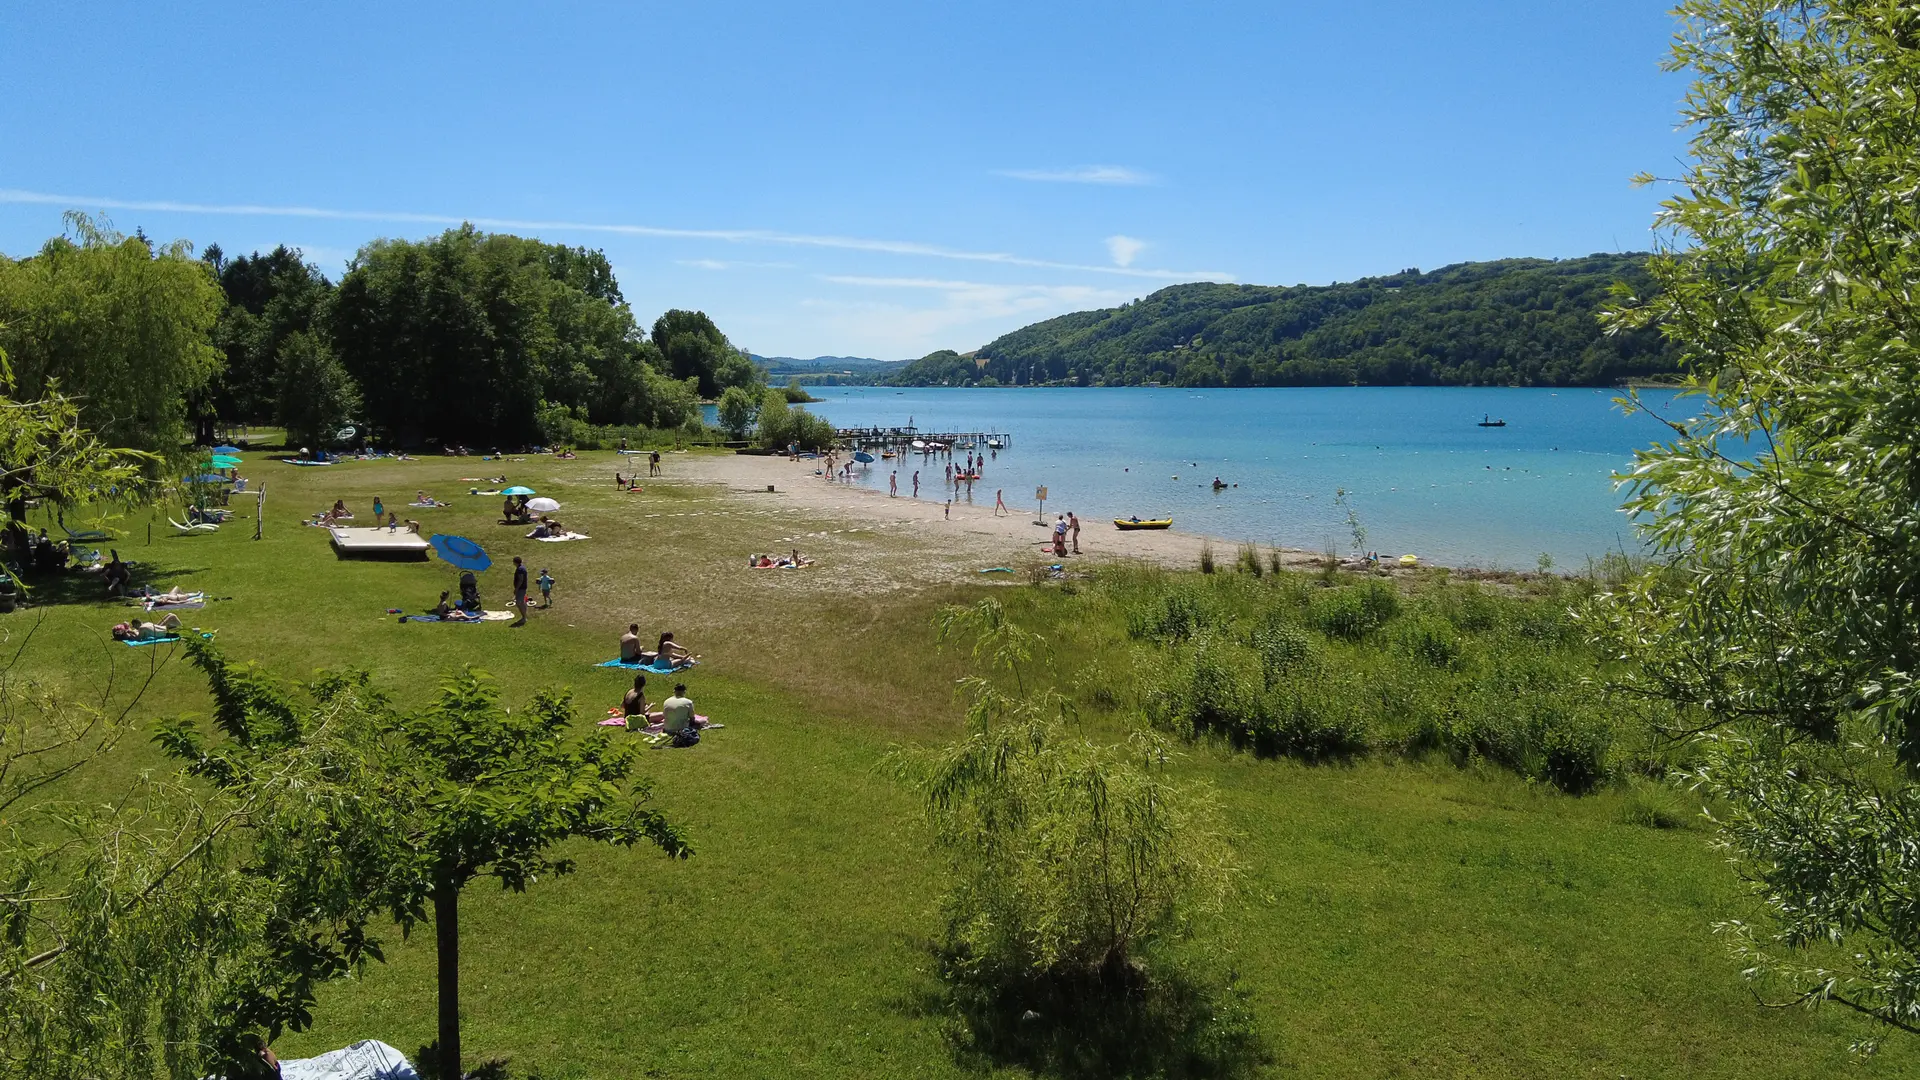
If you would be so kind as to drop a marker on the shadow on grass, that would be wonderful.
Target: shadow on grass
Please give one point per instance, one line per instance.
(426, 1062)
(78, 587)
(1168, 1023)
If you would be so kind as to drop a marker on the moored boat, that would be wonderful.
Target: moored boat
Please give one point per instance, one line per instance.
(1131, 524)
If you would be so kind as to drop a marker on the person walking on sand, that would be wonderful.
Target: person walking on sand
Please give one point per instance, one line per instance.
(893, 484)
(1000, 502)
(916, 483)
(1073, 526)
(948, 513)
(520, 589)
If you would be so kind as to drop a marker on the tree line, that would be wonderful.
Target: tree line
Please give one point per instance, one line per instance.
(1514, 322)
(466, 338)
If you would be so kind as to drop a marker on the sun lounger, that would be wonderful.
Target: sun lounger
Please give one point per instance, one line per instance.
(86, 537)
(185, 528)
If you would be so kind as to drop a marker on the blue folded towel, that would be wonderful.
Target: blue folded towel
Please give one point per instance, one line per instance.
(137, 642)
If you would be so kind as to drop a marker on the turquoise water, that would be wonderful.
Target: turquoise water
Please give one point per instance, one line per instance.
(1420, 475)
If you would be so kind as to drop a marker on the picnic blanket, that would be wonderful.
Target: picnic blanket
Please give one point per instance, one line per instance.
(485, 616)
(634, 665)
(560, 539)
(658, 727)
(193, 602)
(368, 1059)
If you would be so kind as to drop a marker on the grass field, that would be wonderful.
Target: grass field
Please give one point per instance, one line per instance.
(1397, 918)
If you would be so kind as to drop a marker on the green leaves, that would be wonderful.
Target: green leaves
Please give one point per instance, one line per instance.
(1789, 502)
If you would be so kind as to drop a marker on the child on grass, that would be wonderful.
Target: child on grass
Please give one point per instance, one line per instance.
(545, 581)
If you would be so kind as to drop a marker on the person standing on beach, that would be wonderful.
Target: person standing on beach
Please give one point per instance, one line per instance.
(949, 511)
(893, 484)
(1000, 502)
(916, 483)
(1073, 526)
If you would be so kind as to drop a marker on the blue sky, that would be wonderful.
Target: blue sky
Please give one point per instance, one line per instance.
(865, 179)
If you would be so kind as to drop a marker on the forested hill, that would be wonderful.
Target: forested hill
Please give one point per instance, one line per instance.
(1512, 322)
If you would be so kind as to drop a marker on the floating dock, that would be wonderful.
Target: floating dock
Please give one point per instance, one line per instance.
(379, 543)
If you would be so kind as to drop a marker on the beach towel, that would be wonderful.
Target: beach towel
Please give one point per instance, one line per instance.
(562, 539)
(998, 570)
(134, 643)
(436, 618)
(368, 1059)
(427, 505)
(634, 665)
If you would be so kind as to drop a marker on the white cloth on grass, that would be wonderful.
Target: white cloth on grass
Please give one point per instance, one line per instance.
(366, 1060)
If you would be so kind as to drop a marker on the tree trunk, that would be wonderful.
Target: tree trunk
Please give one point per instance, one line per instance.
(446, 929)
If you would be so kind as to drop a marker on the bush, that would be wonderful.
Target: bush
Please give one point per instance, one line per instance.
(1283, 648)
(1175, 615)
(1430, 640)
(1354, 611)
(1312, 719)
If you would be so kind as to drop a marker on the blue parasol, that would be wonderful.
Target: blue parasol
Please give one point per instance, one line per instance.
(516, 490)
(863, 457)
(461, 552)
(226, 450)
(209, 478)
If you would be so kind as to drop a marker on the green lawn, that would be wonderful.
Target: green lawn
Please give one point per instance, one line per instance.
(1396, 919)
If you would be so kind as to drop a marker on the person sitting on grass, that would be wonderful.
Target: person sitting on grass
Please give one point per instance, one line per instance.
(677, 711)
(630, 645)
(444, 608)
(117, 575)
(670, 653)
(340, 511)
(638, 711)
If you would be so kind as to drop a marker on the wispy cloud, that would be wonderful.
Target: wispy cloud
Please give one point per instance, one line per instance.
(1084, 174)
(731, 264)
(734, 236)
(1124, 249)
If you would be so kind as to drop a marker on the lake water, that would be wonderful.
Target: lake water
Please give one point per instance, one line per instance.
(1421, 476)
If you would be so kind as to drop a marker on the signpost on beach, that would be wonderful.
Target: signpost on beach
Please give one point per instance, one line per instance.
(1040, 493)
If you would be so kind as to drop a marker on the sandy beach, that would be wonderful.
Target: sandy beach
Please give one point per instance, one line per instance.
(974, 534)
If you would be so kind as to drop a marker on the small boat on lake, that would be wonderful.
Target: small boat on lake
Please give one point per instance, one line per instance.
(1489, 421)
(1134, 523)
(996, 444)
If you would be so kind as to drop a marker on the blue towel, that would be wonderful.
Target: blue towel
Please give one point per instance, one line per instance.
(650, 669)
(136, 643)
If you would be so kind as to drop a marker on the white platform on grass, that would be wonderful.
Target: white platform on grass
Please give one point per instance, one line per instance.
(381, 541)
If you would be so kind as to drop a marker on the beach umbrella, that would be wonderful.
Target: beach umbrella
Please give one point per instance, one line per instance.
(226, 449)
(463, 553)
(516, 490)
(209, 478)
(543, 506)
(221, 461)
(863, 457)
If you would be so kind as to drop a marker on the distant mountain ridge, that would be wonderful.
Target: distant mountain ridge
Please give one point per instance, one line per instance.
(1511, 322)
(823, 363)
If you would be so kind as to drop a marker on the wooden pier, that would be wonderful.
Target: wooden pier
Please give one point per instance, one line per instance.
(903, 438)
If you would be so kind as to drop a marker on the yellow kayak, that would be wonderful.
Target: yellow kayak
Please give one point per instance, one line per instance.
(1129, 524)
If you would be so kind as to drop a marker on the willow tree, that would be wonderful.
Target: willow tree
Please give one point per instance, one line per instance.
(122, 326)
(1788, 502)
